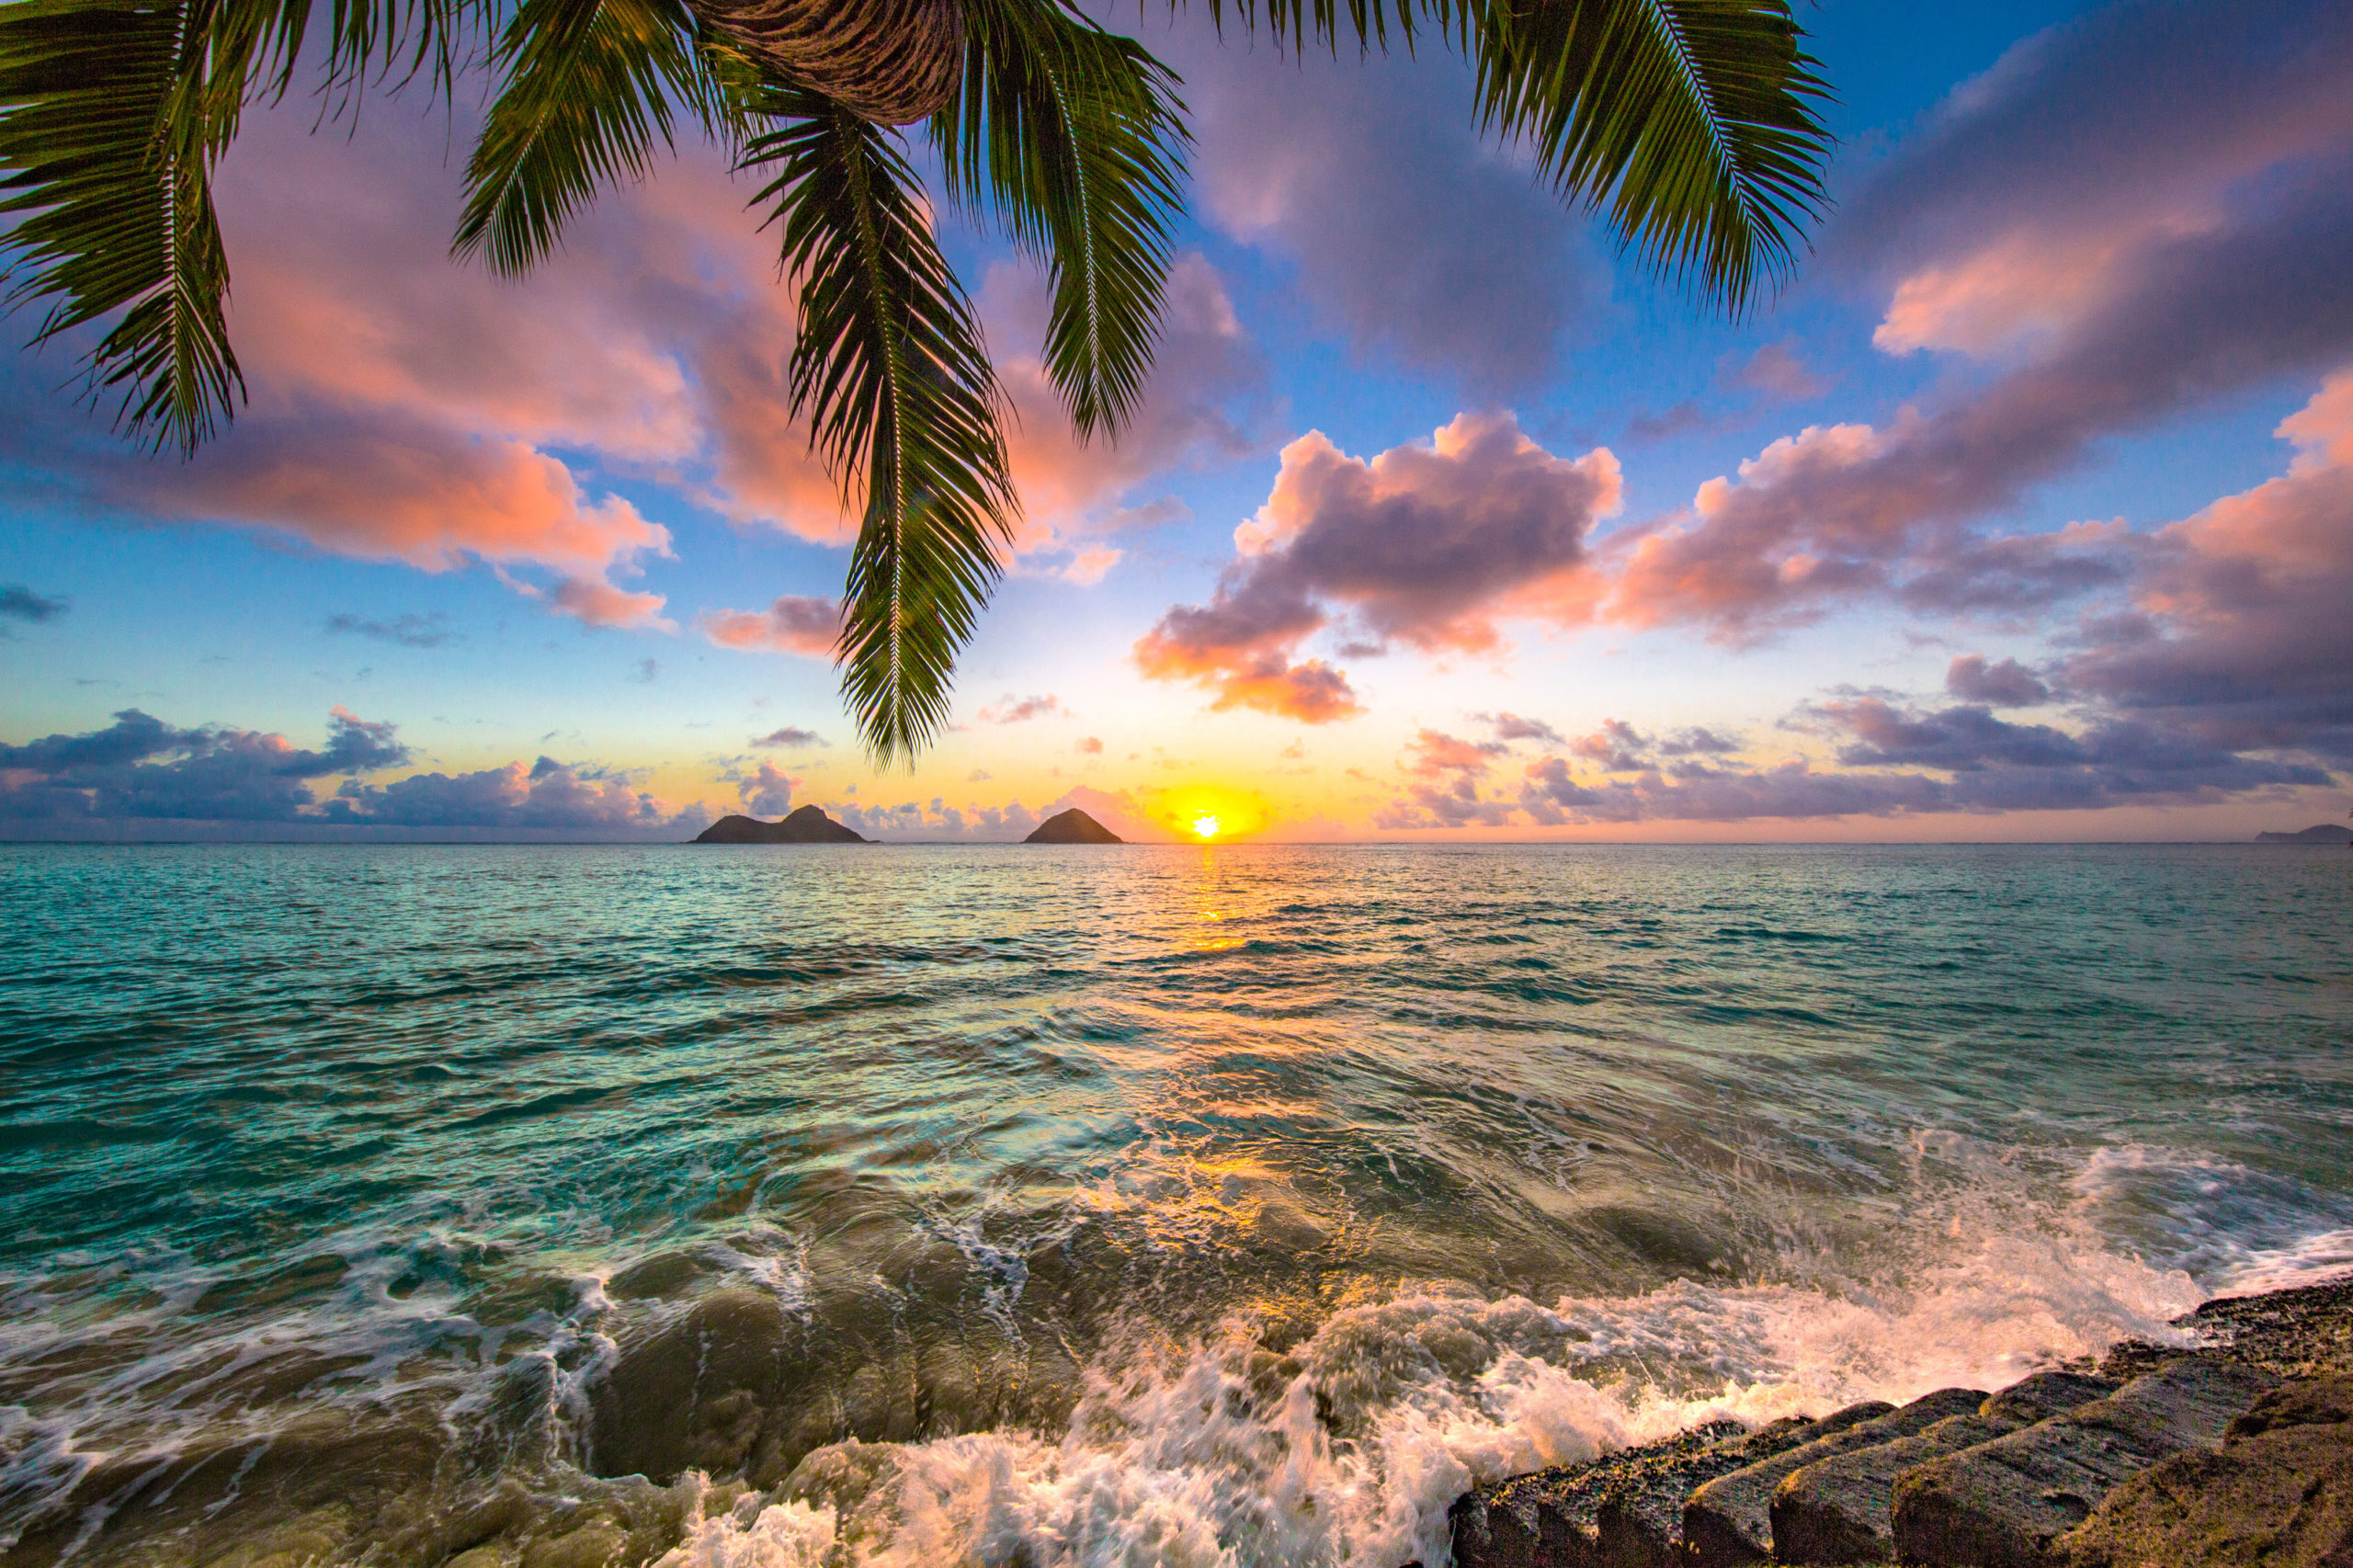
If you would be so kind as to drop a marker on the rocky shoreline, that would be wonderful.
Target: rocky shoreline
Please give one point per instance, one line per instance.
(2236, 1450)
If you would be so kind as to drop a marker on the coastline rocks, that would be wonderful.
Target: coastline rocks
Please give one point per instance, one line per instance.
(1840, 1509)
(1073, 826)
(1623, 1510)
(2004, 1504)
(807, 825)
(2278, 1491)
(1729, 1520)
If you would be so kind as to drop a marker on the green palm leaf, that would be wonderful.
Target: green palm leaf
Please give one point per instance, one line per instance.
(590, 85)
(112, 117)
(1074, 140)
(1691, 121)
(891, 370)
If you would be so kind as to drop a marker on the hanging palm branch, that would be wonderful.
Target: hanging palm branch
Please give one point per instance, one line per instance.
(1691, 124)
(902, 403)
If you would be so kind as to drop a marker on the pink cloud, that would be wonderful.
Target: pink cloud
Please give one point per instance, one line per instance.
(1204, 404)
(1019, 711)
(2035, 194)
(421, 495)
(1425, 545)
(795, 624)
(2239, 631)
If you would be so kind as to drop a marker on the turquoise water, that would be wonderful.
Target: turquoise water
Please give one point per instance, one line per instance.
(1439, 1161)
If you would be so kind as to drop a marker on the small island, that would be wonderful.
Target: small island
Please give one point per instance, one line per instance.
(2325, 833)
(1073, 826)
(807, 825)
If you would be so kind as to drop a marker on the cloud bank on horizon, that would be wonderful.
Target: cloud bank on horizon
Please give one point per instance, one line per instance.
(1927, 544)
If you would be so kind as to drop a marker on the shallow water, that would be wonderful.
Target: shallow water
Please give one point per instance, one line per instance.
(1142, 1206)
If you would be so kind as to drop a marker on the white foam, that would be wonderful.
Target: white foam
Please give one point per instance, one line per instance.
(1176, 1459)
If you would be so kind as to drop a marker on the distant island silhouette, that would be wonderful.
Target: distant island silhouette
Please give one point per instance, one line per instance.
(2325, 833)
(1073, 826)
(807, 825)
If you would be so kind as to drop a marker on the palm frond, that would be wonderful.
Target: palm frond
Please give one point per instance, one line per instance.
(891, 370)
(112, 115)
(1073, 139)
(1691, 122)
(590, 85)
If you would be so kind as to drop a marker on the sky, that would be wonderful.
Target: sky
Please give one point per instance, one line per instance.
(2024, 512)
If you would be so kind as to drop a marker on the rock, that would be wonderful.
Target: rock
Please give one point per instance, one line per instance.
(694, 1396)
(2279, 1490)
(1620, 1511)
(1640, 1521)
(1549, 1519)
(1838, 1509)
(807, 825)
(1730, 1522)
(2323, 832)
(1073, 826)
(2001, 1505)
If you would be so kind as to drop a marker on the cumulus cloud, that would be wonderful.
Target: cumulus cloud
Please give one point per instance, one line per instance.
(795, 624)
(2004, 685)
(1424, 545)
(1423, 243)
(1012, 709)
(546, 796)
(2238, 632)
(406, 407)
(1443, 778)
(1089, 746)
(767, 791)
(20, 603)
(790, 735)
(2038, 188)
(1774, 372)
(141, 768)
(1514, 727)
(405, 631)
(2136, 214)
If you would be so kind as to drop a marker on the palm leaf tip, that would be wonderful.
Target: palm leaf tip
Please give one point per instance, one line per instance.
(1694, 124)
(1072, 140)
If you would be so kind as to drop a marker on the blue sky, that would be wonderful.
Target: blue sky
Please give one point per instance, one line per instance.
(1999, 414)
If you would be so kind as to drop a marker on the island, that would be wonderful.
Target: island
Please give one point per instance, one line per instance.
(2325, 833)
(1073, 826)
(807, 825)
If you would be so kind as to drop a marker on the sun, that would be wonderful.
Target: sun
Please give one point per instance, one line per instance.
(1206, 825)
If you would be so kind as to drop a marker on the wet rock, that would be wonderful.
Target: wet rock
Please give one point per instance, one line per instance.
(1729, 1520)
(2279, 1490)
(2003, 1504)
(1549, 1519)
(2301, 1333)
(1620, 1511)
(324, 1472)
(694, 1396)
(1839, 1509)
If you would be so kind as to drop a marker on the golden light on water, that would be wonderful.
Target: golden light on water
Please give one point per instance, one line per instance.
(1206, 825)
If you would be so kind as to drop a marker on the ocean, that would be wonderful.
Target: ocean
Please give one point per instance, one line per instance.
(1165, 1205)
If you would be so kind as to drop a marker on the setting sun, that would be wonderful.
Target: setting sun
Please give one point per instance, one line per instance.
(1205, 825)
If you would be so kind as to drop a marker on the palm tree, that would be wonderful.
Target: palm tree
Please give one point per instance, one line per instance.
(1691, 123)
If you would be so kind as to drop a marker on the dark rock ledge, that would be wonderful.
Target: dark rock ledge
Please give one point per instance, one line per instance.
(2233, 1452)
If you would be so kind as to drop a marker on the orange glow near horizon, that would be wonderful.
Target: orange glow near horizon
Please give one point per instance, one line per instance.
(1206, 813)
